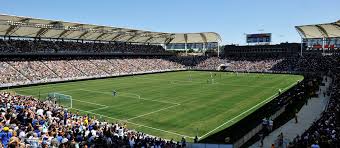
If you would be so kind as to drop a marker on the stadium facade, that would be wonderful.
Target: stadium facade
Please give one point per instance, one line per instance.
(320, 37)
(16, 26)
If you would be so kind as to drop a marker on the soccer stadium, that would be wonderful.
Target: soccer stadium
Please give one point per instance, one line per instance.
(74, 84)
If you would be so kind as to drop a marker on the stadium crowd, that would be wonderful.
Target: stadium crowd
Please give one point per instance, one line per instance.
(48, 70)
(45, 46)
(325, 131)
(240, 64)
(307, 63)
(28, 122)
(27, 71)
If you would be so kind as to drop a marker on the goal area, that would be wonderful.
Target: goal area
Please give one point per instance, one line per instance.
(61, 99)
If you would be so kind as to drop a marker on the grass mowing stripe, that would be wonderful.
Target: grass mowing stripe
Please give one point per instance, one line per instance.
(231, 120)
(153, 112)
(138, 96)
(135, 123)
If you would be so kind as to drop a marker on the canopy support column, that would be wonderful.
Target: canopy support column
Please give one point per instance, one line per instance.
(186, 48)
(186, 43)
(301, 46)
(323, 45)
(218, 49)
(204, 49)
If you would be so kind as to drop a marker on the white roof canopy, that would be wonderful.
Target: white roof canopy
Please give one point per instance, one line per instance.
(32, 27)
(328, 30)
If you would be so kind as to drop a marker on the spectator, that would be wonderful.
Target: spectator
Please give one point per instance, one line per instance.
(75, 133)
(296, 117)
(5, 136)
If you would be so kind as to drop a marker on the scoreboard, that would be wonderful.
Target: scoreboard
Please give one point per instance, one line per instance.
(259, 38)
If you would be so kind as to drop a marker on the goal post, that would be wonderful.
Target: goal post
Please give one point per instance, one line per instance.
(61, 99)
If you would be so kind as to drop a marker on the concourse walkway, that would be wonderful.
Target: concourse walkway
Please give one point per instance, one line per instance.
(306, 116)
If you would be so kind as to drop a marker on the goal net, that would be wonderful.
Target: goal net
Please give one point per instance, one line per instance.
(61, 99)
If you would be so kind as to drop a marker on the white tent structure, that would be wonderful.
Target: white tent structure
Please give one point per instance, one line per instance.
(17, 26)
(328, 30)
(323, 34)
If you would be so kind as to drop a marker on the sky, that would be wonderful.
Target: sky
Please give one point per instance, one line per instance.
(232, 19)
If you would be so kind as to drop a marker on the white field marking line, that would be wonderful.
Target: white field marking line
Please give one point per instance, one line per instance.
(105, 106)
(47, 93)
(51, 86)
(153, 112)
(175, 104)
(167, 102)
(216, 83)
(139, 77)
(138, 96)
(194, 82)
(77, 99)
(230, 75)
(90, 103)
(76, 83)
(140, 125)
(156, 128)
(231, 120)
(65, 83)
(98, 108)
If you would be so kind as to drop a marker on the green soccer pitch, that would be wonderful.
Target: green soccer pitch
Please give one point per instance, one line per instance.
(173, 104)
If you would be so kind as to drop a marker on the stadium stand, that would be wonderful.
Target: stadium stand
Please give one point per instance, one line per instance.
(22, 71)
(26, 121)
(278, 50)
(42, 70)
(42, 46)
(52, 70)
(325, 131)
(307, 63)
(25, 72)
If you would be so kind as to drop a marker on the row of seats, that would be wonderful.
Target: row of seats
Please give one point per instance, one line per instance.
(44, 70)
(45, 46)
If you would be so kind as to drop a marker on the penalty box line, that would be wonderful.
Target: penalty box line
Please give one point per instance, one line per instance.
(188, 82)
(99, 108)
(138, 96)
(231, 120)
(141, 125)
(105, 106)
(152, 112)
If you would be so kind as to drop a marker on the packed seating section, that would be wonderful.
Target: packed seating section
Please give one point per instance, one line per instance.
(47, 46)
(32, 122)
